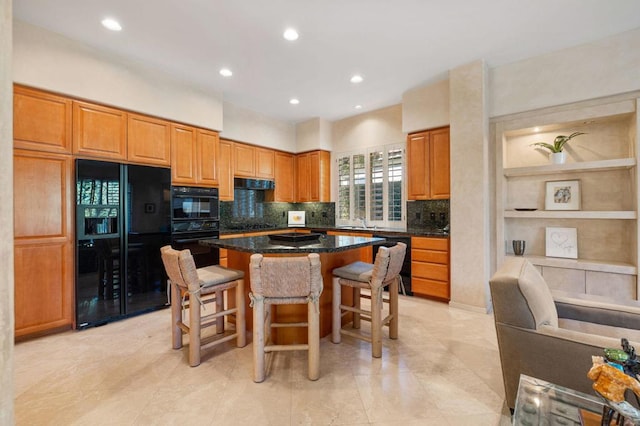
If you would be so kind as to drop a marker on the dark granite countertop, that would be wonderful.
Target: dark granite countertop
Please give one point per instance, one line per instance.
(423, 232)
(263, 244)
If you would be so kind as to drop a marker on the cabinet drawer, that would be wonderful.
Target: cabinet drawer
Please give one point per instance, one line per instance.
(430, 243)
(427, 287)
(430, 270)
(431, 256)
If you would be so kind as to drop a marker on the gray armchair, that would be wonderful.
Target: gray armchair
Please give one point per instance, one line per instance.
(552, 335)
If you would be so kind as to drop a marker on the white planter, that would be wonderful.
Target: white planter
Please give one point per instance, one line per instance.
(558, 157)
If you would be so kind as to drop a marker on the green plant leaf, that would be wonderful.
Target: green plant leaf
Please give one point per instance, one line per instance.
(558, 142)
(545, 145)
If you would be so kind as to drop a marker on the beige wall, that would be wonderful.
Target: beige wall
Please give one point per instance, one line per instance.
(314, 134)
(74, 69)
(379, 127)
(602, 68)
(6, 218)
(248, 126)
(471, 201)
(425, 107)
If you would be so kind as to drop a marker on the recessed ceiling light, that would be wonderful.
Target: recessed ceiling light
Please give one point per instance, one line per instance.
(226, 72)
(358, 107)
(536, 129)
(111, 24)
(294, 101)
(356, 79)
(290, 34)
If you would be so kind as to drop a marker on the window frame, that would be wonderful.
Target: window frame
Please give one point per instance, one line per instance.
(369, 223)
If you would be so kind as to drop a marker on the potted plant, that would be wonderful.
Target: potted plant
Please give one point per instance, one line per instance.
(558, 156)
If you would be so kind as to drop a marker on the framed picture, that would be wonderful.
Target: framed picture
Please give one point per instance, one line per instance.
(562, 195)
(562, 242)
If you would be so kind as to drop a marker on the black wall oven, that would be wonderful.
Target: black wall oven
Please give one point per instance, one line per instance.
(194, 217)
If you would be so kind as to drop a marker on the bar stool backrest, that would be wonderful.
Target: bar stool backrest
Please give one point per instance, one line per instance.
(388, 264)
(286, 276)
(180, 267)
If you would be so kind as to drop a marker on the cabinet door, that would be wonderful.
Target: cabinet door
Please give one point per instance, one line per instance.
(183, 155)
(319, 176)
(244, 160)
(208, 143)
(225, 170)
(41, 121)
(284, 177)
(303, 177)
(418, 166)
(439, 164)
(99, 131)
(43, 245)
(265, 163)
(315, 179)
(148, 140)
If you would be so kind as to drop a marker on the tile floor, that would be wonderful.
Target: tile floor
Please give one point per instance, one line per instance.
(444, 370)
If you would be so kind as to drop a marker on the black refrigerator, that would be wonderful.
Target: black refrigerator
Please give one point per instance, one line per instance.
(123, 217)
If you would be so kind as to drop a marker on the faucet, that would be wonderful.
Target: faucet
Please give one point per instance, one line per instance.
(364, 222)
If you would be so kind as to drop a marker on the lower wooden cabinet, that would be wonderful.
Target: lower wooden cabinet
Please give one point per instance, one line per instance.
(43, 245)
(430, 267)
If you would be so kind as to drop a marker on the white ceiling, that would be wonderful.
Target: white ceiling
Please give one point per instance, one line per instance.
(395, 45)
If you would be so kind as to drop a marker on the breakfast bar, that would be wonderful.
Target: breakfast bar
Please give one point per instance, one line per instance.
(334, 251)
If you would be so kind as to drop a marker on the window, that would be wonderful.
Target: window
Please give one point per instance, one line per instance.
(370, 187)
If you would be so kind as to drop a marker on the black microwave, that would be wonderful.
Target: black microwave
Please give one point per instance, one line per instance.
(194, 203)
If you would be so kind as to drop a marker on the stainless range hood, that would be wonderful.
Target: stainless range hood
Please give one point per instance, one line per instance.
(255, 184)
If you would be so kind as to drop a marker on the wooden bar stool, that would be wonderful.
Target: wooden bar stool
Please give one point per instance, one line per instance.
(284, 281)
(202, 286)
(385, 272)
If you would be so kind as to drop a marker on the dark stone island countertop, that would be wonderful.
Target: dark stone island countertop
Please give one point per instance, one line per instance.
(422, 232)
(263, 244)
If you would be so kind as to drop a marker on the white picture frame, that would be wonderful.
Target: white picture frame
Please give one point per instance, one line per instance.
(561, 242)
(562, 195)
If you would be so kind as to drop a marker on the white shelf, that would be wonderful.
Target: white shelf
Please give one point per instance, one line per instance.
(587, 166)
(584, 264)
(571, 214)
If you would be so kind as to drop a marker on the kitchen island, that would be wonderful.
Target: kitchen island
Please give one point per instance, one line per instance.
(334, 251)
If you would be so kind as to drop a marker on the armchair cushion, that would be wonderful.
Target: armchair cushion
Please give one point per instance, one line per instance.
(523, 296)
(553, 344)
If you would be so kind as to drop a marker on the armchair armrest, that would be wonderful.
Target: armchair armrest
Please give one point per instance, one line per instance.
(598, 310)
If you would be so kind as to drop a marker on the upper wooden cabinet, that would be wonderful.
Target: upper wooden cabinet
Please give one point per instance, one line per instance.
(265, 163)
(207, 145)
(148, 140)
(183, 154)
(428, 165)
(313, 176)
(284, 177)
(225, 170)
(41, 121)
(244, 160)
(99, 131)
(194, 156)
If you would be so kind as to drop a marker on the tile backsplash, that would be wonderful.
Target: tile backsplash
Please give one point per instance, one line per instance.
(250, 211)
(427, 215)
(239, 214)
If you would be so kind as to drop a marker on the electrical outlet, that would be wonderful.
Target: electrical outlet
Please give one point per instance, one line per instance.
(313, 214)
(284, 214)
(432, 215)
(418, 215)
(443, 216)
(324, 214)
